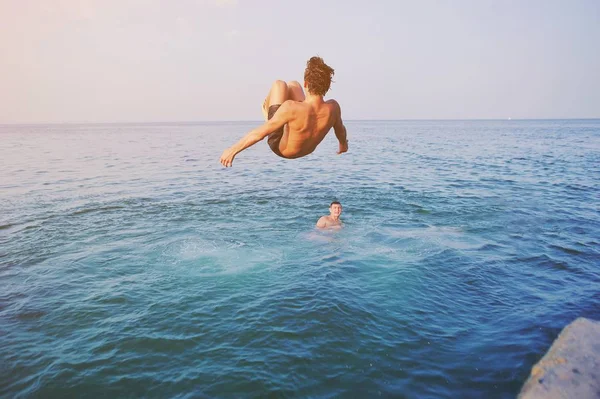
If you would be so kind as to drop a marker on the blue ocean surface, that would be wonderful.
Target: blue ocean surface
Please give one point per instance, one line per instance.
(132, 264)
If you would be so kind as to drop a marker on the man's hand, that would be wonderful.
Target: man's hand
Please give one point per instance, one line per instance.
(227, 157)
(343, 147)
(281, 117)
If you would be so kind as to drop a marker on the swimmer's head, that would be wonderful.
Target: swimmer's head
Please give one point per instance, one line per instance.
(317, 76)
(335, 208)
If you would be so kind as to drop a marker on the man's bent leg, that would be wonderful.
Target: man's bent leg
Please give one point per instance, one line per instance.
(295, 91)
(277, 95)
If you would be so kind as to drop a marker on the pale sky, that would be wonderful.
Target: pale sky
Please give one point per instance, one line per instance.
(211, 60)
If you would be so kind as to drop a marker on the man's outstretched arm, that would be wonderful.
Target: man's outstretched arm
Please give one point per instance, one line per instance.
(340, 130)
(280, 118)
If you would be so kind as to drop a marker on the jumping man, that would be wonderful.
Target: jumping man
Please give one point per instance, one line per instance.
(296, 123)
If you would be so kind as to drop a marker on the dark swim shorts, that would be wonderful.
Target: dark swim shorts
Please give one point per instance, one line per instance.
(275, 137)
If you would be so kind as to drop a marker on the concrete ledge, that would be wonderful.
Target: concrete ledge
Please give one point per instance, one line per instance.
(571, 368)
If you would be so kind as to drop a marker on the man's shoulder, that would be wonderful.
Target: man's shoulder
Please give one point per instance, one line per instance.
(333, 102)
(287, 105)
(322, 222)
(291, 106)
(335, 106)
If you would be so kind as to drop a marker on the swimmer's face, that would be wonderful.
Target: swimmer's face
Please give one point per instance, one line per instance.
(335, 210)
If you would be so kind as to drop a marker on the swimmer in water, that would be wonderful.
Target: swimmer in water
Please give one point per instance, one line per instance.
(333, 219)
(296, 123)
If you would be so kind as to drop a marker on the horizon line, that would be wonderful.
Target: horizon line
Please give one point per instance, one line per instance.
(261, 121)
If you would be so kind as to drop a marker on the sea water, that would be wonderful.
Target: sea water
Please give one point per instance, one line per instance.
(132, 264)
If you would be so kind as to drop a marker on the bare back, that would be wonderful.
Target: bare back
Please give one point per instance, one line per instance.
(308, 124)
(294, 128)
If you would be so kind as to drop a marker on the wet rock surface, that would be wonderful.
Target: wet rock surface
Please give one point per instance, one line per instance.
(571, 368)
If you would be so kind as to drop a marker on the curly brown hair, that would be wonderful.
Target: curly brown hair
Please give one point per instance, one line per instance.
(317, 76)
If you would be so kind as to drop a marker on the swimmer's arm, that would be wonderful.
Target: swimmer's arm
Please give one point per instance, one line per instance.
(322, 222)
(281, 117)
(340, 129)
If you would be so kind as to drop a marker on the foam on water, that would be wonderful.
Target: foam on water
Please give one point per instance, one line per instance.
(213, 257)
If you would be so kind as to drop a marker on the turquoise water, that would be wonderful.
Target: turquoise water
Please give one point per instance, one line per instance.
(132, 264)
